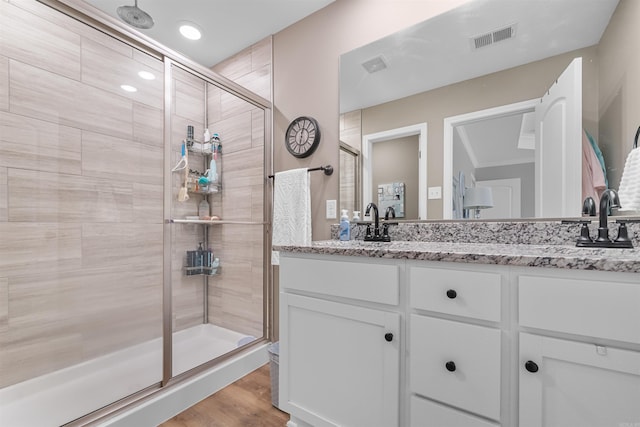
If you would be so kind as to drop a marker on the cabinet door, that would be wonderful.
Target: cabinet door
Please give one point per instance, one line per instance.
(339, 364)
(577, 384)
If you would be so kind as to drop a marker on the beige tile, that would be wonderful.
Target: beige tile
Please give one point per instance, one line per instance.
(119, 159)
(188, 96)
(148, 125)
(231, 106)
(4, 83)
(67, 102)
(57, 19)
(235, 133)
(258, 81)
(30, 143)
(261, 53)
(257, 128)
(236, 66)
(122, 306)
(149, 61)
(214, 107)
(114, 245)
(4, 213)
(148, 203)
(47, 197)
(31, 247)
(31, 39)
(122, 69)
(4, 304)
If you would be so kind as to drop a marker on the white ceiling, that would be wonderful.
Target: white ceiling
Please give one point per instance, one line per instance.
(228, 26)
(438, 52)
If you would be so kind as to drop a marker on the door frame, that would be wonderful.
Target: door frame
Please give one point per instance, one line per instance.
(368, 140)
(450, 123)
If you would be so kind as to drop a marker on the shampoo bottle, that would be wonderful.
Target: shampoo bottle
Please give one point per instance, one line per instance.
(345, 228)
(203, 209)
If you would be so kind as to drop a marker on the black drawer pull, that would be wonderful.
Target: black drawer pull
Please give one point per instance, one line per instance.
(452, 293)
(451, 366)
(531, 366)
(388, 336)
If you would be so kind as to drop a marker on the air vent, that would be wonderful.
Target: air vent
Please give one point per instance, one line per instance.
(376, 64)
(495, 36)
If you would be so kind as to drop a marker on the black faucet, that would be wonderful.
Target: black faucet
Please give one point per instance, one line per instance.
(386, 223)
(389, 210)
(589, 206)
(376, 220)
(609, 198)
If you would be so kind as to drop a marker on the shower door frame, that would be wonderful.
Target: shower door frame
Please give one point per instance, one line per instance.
(88, 15)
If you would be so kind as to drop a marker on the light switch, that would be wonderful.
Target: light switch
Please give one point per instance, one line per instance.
(435, 193)
(332, 210)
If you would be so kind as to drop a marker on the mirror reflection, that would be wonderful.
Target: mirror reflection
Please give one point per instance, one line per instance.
(479, 102)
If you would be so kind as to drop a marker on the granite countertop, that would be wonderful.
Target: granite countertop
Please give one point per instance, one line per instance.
(526, 255)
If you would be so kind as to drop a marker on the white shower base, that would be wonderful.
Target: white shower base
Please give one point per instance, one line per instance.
(62, 396)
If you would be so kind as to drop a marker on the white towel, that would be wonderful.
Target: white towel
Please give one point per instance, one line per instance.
(291, 210)
(629, 191)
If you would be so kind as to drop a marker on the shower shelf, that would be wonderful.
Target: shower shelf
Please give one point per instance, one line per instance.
(202, 271)
(213, 222)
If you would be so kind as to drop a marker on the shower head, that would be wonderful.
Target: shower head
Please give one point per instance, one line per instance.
(135, 16)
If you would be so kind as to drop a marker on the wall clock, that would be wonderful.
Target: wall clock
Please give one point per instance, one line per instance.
(302, 136)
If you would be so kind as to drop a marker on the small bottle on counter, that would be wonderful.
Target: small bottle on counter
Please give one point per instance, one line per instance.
(345, 226)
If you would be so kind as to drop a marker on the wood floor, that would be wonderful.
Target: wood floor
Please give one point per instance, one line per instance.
(245, 403)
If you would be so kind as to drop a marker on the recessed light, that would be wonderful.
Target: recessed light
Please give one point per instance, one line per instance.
(146, 75)
(128, 88)
(190, 31)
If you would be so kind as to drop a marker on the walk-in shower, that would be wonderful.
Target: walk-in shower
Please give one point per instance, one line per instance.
(98, 300)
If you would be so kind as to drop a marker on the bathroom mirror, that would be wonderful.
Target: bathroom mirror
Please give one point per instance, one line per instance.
(488, 54)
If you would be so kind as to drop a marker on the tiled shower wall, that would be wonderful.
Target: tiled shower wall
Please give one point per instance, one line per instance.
(236, 298)
(81, 197)
(81, 181)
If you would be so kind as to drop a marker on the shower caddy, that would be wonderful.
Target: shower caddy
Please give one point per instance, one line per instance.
(202, 260)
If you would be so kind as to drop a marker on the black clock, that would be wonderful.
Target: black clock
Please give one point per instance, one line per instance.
(302, 137)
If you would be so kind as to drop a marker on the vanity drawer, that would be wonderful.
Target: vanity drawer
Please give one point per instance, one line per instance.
(363, 281)
(472, 382)
(425, 413)
(458, 292)
(602, 309)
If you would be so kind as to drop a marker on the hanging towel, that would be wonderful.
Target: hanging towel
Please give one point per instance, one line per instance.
(593, 182)
(600, 156)
(629, 191)
(291, 210)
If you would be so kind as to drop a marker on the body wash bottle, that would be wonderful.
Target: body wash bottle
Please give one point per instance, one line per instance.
(345, 227)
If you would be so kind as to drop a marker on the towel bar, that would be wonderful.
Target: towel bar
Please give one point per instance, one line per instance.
(328, 170)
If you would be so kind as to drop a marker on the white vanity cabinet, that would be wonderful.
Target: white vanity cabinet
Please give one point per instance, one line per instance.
(394, 342)
(579, 363)
(340, 342)
(454, 363)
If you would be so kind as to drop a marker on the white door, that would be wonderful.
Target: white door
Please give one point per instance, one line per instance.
(339, 364)
(559, 146)
(577, 384)
(507, 198)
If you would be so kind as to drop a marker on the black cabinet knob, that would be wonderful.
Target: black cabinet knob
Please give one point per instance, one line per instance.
(531, 366)
(388, 336)
(452, 294)
(451, 366)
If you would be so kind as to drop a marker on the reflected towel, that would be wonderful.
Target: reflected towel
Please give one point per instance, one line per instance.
(291, 210)
(629, 191)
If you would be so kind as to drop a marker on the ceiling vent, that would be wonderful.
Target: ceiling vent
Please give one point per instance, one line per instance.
(376, 64)
(495, 36)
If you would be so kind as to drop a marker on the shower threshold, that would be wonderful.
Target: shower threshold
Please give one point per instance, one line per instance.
(60, 397)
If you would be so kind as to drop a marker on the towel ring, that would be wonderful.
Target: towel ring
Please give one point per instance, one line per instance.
(635, 141)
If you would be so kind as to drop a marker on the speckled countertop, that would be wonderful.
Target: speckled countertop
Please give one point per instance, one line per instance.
(526, 255)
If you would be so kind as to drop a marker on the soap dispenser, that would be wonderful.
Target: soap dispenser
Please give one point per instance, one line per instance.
(345, 227)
